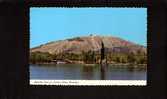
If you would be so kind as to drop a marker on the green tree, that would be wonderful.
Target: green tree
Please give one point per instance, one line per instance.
(131, 58)
(36, 57)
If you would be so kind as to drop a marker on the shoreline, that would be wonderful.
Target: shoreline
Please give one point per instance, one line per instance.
(92, 64)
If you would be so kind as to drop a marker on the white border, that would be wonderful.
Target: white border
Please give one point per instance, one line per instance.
(89, 82)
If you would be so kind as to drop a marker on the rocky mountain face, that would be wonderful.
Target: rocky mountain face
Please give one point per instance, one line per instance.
(78, 45)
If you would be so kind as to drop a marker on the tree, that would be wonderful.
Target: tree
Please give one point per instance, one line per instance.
(38, 57)
(131, 58)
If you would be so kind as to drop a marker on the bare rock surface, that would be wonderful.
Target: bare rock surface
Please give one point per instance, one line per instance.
(93, 43)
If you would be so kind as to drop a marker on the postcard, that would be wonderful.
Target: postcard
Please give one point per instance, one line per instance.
(88, 46)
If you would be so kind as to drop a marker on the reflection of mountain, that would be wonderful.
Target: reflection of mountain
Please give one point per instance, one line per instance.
(93, 43)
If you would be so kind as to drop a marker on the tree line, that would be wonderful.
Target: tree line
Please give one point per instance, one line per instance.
(90, 57)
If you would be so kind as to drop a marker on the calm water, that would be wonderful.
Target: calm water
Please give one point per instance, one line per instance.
(81, 72)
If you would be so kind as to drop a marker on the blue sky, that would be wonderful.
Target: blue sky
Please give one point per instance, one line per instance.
(51, 24)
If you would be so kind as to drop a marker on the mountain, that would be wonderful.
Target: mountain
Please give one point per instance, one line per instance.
(78, 45)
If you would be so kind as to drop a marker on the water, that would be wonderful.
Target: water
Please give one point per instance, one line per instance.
(81, 72)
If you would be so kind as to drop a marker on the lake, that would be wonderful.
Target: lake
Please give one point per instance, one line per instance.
(81, 72)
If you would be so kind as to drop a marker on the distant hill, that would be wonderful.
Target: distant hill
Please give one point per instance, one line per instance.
(78, 45)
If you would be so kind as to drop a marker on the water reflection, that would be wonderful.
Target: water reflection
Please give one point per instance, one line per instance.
(88, 72)
(103, 75)
(103, 71)
(131, 68)
(81, 72)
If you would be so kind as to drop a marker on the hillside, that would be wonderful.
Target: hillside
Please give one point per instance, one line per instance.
(78, 45)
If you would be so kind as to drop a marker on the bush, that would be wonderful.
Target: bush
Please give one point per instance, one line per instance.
(37, 57)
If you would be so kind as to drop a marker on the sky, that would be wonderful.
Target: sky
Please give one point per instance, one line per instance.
(53, 23)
